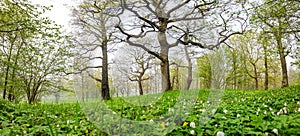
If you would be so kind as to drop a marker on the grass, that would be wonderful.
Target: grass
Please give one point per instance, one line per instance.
(235, 112)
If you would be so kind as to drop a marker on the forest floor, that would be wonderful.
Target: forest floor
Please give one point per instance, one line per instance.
(229, 112)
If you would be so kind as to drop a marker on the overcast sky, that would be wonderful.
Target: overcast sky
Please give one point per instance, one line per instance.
(60, 12)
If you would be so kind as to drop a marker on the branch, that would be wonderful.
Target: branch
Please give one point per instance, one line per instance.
(93, 77)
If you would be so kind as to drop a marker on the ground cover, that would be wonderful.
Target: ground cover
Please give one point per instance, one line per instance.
(250, 112)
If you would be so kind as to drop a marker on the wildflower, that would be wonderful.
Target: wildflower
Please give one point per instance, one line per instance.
(171, 110)
(220, 133)
(270, 109)
(192, 125)
(284, 110)
(216, 125)
(163, 125)
(225, 111)
(285, 104)
(192, 132)
(279, 112)
(185, 124)
(114, 113)
(69, 135)
(151, 121)
(238, 115)
(57, 125)
(202, 110)
(167, 124)
(213, 111)
(265, 105)
(298, 109)
(275, 131)
(86, 131)
(265, 112)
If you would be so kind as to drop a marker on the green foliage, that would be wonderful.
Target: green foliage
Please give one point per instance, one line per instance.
(239, 113)
(34, 50)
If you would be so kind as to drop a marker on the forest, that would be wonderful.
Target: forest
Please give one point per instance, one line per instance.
(151, 67)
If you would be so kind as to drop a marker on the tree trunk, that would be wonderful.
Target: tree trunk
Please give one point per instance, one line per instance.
(256, 78)
(285, 82)
(266, 84)
(140, 87)
(234, 61)
(165, 66)
(190, 69)
(278, 36)
(105, 82)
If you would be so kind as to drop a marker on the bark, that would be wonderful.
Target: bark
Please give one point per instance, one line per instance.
(190, 68)
(165, 65)
(140, 87)
(266, 83)
(234, 61)
(105, 81)
(8, 67)
(285, 82)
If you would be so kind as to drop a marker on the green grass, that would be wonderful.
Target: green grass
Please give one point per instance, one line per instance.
(238, 113)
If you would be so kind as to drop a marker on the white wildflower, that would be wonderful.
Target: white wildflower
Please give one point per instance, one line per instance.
(171, 110)
(285, 104)
(270, 109)
(114, 113)
(265, 112)
(279, 112)
(238, 115)
(213, 111)
(192, 125)
(216, 125)
(265, 105)
(151, 121)
(298, 109)
(224, 118)
(284, 110)
(192, 132)
(225, 111)
(220, 133)
(275, 131)
(57, 126)
(258, 109)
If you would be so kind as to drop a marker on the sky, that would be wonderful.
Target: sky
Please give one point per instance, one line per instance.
(61, 11)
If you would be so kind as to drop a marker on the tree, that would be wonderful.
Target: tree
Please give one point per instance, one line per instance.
(94, 32)
(135, 64)
(204, 70)
(162, 19)
(34, 53)
(278, 18)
